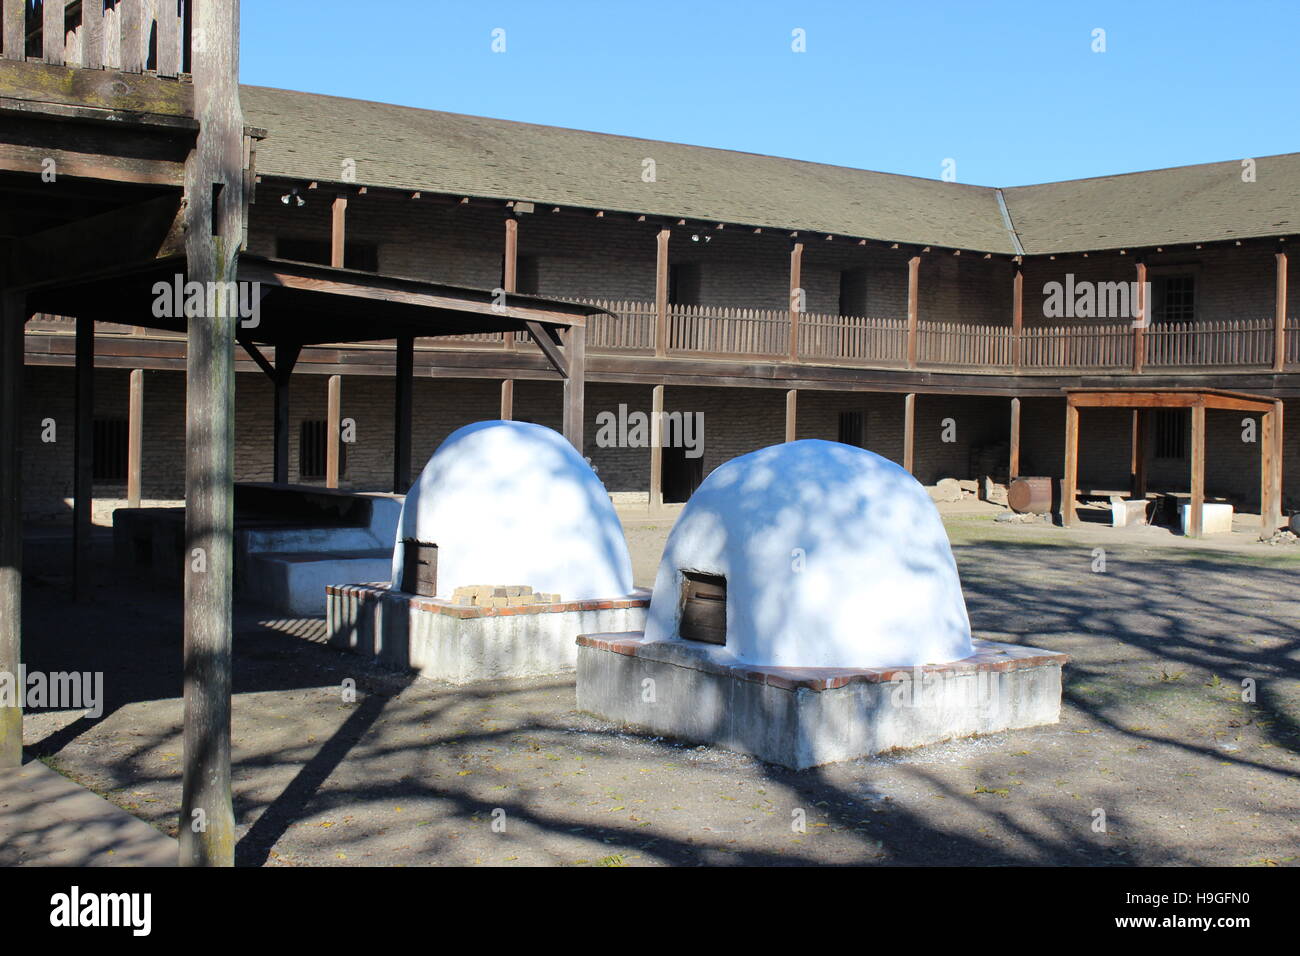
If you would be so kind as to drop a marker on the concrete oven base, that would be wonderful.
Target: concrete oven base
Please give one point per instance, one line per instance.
(462, 644)
(805, 717)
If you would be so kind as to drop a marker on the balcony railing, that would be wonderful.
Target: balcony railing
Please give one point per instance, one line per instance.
(858, 341)
(131, 36)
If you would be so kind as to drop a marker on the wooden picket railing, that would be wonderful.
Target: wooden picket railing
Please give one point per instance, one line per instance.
(856, 339)
(1228, 342)
(715, 330)
(631, 327)
(131, 36)
(955, 343)
(1077, 346)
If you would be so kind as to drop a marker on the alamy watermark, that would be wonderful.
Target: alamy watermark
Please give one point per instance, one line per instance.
(61, 690)
(208, 300)
(637, 429)
(1097, 300)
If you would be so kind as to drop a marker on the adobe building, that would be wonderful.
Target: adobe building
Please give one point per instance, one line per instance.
(935, 323)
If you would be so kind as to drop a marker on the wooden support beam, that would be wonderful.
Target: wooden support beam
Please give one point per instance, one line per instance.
(656, 448)
(216, 204)
(791, 414)
(286, 356)
(1279, 314)
(12, 316)
(1196, 518)
(1272, 448)
(333, 430)
(796, 303)
(338, 231)
(507, 399)
(913, 307)
(510, 284)
(546, 342)
(134, 437)
(83, 584)
(1070, 481)
(1018, 317)
(1138, 454)
(575, 347)
(909, 431)
(1013, 466)
(1144, 318)
(402, 397)
(661, 293)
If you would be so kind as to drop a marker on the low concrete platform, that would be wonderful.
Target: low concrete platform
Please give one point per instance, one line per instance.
(805, 717)
(461, 643)
(47, 820)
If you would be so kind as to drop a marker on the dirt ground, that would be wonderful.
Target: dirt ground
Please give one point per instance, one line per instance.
(1154, 732)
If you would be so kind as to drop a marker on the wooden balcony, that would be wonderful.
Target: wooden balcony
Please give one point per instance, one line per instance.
(129, 36)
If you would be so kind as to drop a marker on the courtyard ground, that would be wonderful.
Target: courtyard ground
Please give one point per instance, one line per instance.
(1154, 732)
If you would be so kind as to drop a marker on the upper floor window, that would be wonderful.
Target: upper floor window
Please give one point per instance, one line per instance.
(853, 292)
(363, 256)
(1175, 298)
(684, 283)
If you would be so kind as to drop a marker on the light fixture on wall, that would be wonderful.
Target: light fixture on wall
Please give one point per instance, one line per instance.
(293, 197)
(696, 237)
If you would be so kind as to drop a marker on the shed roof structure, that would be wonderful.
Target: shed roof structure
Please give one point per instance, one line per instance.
(1141, 401)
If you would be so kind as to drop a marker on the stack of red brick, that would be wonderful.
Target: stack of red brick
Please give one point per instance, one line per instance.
(492, 595)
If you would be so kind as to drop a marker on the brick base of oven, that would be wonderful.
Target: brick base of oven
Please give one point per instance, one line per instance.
(462, 644)
(805, 717)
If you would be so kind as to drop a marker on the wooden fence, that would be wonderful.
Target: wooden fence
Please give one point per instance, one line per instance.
(1228, 342)
(1077, 346)
(952, 343)
(717, 330)
(858, 339)
(131, 36)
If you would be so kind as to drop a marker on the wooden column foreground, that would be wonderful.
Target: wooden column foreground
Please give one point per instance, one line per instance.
(508, 398)
(12, 316)
(1071, 479)
(216, 206)
(1143, 320)
(575, 384)
(1013, 468)
(333, 430)
(1138, 454)
(1196, 517)
(338, 231)
(1279, 315)
(404, 379)
(1272, 443)
(796, 299)
(1018, 317)
(909, 430)
(83, 584)
(913, 308)
(656, 448)
(134, 438)
(661, 293)
(791, 414)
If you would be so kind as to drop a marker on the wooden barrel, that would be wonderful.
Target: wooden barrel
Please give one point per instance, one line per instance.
(1025, 495)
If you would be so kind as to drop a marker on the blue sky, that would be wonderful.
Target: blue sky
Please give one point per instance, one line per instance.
(1013, 92)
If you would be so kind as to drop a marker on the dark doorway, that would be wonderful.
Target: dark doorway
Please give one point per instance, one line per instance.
(682, 475)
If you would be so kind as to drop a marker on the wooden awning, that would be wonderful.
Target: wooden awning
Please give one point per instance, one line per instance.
(1198, 400)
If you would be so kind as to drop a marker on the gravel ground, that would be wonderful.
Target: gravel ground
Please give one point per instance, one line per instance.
(1154, 733)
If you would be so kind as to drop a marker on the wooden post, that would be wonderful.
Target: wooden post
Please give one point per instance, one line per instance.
(1013, 469)
(1279, 316)
(404, 383)
(913, 306)
(661, 293)
(909, 430)
(1144, 318)
(134, 438)
(507, 398)
(83, 584)
(285, 358)
(791, 414)
(338, 231)
(1070, 481)
(796, 305)
(575, 347)
(1195, 520)
(509, 284)
(1018, 318)
(1272, 444)
(215, 210)
(1138, 456)
(333, 430)
(12, 316)
(656, 448)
